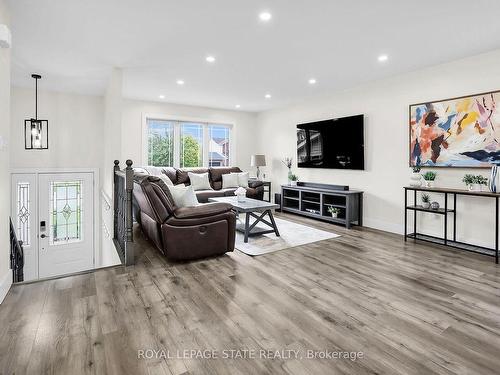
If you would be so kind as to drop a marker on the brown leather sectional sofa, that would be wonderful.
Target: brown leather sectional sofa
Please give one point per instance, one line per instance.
(189, 232)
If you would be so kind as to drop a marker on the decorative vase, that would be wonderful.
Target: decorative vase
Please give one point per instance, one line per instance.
(435, 206)
(334, 215)
(241, 198)
(492, 183)
(475, 187)
(426, 205)
(293, 183)
(415, 179)
(428, 183)
(290, 174)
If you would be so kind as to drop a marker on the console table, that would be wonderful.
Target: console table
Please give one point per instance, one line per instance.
(445, 212)
(312, 200)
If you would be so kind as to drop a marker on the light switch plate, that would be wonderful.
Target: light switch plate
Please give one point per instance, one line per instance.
(3, 143)
(5, 37)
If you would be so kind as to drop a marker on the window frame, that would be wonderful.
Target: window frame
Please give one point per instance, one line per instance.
(177, 124)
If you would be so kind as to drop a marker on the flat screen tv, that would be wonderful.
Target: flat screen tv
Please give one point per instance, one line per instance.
(336, 143)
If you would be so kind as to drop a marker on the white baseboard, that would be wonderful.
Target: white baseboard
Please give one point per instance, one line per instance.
(5, 284)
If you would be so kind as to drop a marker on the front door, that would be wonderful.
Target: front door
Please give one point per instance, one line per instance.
(65, 223)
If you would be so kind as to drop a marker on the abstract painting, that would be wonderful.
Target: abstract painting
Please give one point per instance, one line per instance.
(458, 132)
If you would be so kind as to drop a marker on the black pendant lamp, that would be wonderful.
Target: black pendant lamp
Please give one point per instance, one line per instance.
(36, 132)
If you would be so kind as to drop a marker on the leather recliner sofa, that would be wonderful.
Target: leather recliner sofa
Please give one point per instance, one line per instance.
(255, 189)
(181, 233)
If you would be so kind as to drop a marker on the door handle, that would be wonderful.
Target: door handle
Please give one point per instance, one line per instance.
(43, 236)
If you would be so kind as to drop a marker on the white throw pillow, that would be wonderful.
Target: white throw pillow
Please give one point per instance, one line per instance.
(242, 178)
(230, 180)
(183, 196)
(199, 181)
(166, 180)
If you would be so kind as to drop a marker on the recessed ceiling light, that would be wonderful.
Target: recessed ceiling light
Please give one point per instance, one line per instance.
(210, 59)
(180, 82)
(265, 16)
(267, 96)
(312, 81)
(238, 106)
(383, 58)
(162, 96)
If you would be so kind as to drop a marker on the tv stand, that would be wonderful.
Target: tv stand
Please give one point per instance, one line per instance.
(313, 199)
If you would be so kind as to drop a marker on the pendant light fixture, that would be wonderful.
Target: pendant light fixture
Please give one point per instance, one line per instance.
(36, 132)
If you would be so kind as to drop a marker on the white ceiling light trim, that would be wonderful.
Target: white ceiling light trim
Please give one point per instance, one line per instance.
(268, 96)
(180, 82)
(265, 16)
(210, 59)
(383, 58)
(312, 81)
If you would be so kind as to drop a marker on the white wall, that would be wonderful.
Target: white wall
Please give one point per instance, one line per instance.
(385, 105)
(112, 129)
(133, 111)
(5, 273)
(75, 129)
(76, 137)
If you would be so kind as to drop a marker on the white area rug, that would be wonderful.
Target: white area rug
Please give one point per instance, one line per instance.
(291, 235)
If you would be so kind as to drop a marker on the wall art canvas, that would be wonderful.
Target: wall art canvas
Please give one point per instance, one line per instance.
(458, 132)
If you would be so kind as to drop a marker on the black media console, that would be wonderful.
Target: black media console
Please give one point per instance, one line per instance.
(312, 200)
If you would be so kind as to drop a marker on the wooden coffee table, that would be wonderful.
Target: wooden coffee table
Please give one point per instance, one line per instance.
(252, 208)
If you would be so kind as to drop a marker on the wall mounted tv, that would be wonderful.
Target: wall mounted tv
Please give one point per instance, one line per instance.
(336, 143)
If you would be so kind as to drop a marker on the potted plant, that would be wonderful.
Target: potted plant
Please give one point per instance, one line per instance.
(426, 201)
(416, 177)
(334, 211)
(293, 179)
(474, 183)
(288, 163)
(468, 180)
(429, 178)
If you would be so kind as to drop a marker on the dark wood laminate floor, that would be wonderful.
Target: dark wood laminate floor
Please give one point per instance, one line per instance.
(410, 308)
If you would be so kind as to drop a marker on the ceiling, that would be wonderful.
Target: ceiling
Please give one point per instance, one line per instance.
(74, 44)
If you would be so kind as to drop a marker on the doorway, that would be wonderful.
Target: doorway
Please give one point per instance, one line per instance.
(53, 214)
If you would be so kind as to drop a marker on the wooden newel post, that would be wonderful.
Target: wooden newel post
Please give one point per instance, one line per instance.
(129, 186)
(123, 186)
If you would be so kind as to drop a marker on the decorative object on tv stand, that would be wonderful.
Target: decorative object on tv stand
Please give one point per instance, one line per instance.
(240, 193)
(457, 132)
(36, 131)
(293, 179)
(258, 161)
(474, 182)
(334, 211)
(429, 178)
(434, 205)
(492, 184)
(288, 163)
(416, 177)
(426, 201)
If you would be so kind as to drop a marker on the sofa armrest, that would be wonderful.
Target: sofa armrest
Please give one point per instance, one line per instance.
(203, 210)
(255, 184)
